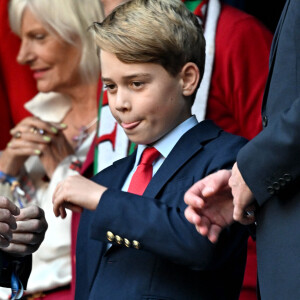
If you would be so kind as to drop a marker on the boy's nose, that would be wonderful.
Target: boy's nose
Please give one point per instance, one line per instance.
(25, 55)
(122, 101)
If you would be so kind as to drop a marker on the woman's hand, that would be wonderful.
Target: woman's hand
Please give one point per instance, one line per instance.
(29, 137)
(54, 152)
(33, 136)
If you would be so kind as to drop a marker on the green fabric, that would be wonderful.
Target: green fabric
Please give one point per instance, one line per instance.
(192, 4)
(95, 164)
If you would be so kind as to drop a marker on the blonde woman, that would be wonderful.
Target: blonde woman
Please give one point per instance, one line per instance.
(53, 143)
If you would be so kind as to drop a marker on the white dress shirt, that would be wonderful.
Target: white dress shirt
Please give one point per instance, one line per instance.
(164, 146)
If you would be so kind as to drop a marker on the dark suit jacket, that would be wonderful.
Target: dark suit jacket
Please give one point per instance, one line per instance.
(23, 270)
(174, 261)
(270, 165)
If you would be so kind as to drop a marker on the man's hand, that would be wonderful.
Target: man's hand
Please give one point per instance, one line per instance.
(8, 211)
(75, 193)
(243, 199)
(30, 231)
(210, 206)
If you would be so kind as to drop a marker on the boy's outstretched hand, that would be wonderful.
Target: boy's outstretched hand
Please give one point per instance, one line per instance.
(75, 193)
(210, 205)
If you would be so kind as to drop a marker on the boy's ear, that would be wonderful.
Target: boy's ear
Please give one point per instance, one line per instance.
(190, 77)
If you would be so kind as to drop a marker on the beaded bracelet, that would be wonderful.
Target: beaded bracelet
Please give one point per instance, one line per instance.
(17, 192)
(7, 178)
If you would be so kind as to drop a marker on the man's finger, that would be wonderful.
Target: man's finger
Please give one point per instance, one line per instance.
(7, 218)
(7, 204)
(193, 195)
(30, 212)
(215, 182)
(33, 226)
(4, 242)
(191, 215)
(204, 226)
(20, 250)
(5, 232)
(27, 238)
(241, 216)
(238, 213)
(214, 233)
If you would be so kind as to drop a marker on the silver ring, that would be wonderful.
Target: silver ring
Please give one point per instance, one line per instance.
(35, 130)
(41, 131)
(249, 214)
(17, 135)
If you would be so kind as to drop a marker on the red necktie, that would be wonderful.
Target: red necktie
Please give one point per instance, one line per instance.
(143, 174)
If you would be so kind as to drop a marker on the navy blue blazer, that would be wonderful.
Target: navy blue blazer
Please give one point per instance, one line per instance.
(156, 253)
(270, 165)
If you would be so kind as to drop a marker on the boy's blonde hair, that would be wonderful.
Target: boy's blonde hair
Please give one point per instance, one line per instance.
(70, 20)
(153, 31)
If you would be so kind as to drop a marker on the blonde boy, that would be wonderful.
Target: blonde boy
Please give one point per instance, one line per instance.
(133, 240)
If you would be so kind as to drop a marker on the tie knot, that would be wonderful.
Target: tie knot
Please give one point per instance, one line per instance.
(149, 155)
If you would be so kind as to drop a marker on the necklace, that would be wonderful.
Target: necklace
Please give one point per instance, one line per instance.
(83, 133)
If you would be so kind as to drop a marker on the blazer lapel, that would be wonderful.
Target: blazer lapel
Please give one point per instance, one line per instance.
(188, 145)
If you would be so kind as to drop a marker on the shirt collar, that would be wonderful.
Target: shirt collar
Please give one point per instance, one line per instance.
(49, 107)
(167, 143)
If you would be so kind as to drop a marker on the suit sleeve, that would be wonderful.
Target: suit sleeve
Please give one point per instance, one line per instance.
(6, 267)
(270, 163)
(273, 157)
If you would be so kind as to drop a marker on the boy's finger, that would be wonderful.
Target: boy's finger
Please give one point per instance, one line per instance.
(62, 212)
(56, 209)
(73, 207)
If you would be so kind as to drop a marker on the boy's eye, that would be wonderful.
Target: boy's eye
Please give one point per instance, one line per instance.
(109, 87)
(137, 84)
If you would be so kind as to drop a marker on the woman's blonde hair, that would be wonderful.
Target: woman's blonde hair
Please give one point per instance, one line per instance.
(69, 19)
(156, 31)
